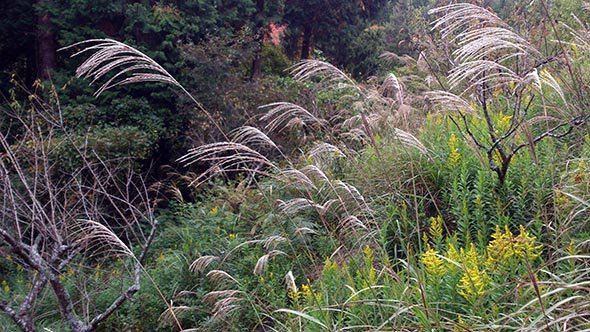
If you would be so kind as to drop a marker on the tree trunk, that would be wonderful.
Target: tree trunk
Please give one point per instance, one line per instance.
(257, 62)
(46, 58)
(306, 44)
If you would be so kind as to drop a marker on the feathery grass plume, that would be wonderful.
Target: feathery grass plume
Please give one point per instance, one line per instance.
(214, 296)
(296, 177)
(133, 65)
(356, 135)
(283, 116)
(251, 136)
(91, 235)
(479, 72)
(201, 263)
(546, 78)
(410, 140)
(328, 73)
(224, 307)
(293, 206)
(458, 16)
(290, 283)
(324, 153)
(448, 101)
(224, 157)
(486, 42)
(262, 262)
(109, 55)
(171, 314)
(393, 57)
(304, 231)
(333, 206)
(219, 276)
(272, 241)
(352, 193)
(351, 223)
(315, 173)
(391, 86)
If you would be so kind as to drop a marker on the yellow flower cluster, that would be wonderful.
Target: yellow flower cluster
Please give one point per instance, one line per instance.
(436, 229)
(504, 250)
(503, 123)
(5, 287)
(432, 262)
(474, 281)
(454, 155)
(372, 274)
(505, 247)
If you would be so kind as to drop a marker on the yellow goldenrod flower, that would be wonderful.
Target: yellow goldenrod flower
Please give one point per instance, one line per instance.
(454, 155)
(497, 158)
(368, 253)
(526, 247)
(473, 283)
(214, 211)
(5, 287)
(436, 229)
(571, 249)
(329, 265)
(433, 263)
(505, 248)
(453, 256)
(307, 293)
(503, 122)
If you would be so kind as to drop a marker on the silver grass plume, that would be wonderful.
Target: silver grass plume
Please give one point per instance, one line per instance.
(109, 55)
(201, 263)
(262, 262)
(282, 116)
(328, 73)
(224, 157)
(133, 67)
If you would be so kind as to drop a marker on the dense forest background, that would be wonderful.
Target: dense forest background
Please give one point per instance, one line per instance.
(294, 165)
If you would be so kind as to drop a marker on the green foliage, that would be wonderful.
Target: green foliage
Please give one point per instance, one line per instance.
(359, 224)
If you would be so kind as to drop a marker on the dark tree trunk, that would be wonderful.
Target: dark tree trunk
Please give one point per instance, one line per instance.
(46, 58)
(306, 43)
(257, 62)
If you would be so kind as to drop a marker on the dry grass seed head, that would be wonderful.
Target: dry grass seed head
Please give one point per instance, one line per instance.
(315, 173)
(272, 241)
(225, 157)
(283, 116)
(214, 296)
(324, 153)
(475, 74)
(251, 136)
(221, 276)
(391, 86)
(411, 141)
(201, 263)
(171, 314)
(293, 206)
(90, 235)
(109, 55)
(296, 177)
(457, 17)
(262, 262)
(329, 74)
(352, 193)
(304, 231)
